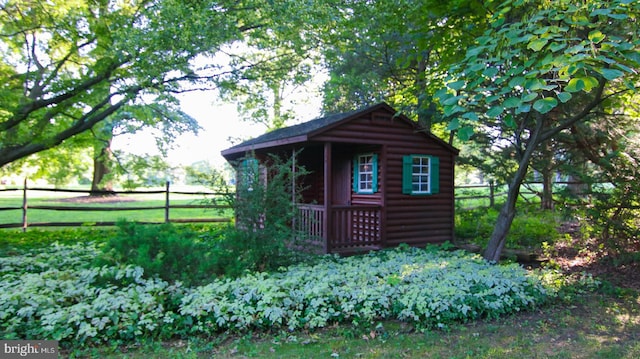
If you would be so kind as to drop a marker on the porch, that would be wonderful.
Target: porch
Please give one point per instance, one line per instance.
(342, 229)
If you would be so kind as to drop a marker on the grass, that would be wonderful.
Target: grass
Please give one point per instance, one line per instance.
(598, 325)
(14, 199)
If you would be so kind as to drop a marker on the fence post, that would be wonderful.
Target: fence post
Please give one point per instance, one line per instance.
(24, 206)
(166, 204)
(491, 194)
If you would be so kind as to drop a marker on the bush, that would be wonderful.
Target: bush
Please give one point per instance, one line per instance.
(263, 238)
(170, 252)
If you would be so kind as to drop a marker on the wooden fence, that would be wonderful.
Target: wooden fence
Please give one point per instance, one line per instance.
(167, 207)
(491, 196)
(493, 193)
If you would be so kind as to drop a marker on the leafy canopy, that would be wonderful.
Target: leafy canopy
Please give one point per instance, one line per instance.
(68, 65)
(540, 57)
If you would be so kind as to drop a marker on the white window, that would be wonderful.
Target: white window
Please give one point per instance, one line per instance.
(365, 173)
(420, 174)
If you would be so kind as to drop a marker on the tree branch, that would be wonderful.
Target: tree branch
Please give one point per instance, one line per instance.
(597, 100)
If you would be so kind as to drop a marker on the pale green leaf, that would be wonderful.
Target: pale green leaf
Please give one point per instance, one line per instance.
(512, 102)
(524, 108)
(596, 36)
(611, 74)
(475, 51)
(490, 72)
(534, 84)
(451, 100)
(574, 85)
(557, 46)
(516, 81)
(495, 111)
(456, 85)
(453, 124)
(450, 110)
(465, 133)
(589, 83)
(564, 97)
(470, 116)
(544, 105)
(538, 44)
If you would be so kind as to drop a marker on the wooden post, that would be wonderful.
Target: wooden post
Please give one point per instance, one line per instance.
(328, 206)
(166, 204)
(294, 224)
(24, 206)
(491, 194)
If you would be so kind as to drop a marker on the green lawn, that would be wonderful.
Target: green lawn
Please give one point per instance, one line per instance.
(39, 198)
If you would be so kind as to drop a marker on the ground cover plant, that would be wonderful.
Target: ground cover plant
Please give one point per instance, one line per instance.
(55, 292)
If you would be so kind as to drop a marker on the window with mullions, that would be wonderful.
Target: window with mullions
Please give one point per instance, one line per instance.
(365, 173)
(420, 175)
(249, 174)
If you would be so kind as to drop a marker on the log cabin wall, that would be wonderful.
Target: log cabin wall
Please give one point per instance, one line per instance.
(415, 220)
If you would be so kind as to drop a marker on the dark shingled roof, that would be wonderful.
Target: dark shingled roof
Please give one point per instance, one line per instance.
(302, 129)
(301, 132)
(297, 130)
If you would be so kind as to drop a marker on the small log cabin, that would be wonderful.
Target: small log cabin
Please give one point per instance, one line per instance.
(375, 179)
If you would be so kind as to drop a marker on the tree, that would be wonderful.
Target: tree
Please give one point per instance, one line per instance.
(402, 59)
(263, 90)
(68, 66)
(542, 68)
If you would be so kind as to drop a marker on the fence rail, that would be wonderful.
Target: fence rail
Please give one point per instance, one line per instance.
(166, 207)
(494, 193)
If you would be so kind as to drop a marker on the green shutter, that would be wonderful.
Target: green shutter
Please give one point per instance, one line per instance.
(434, 173)
(355, 174)
(406, 174)
(374, 185)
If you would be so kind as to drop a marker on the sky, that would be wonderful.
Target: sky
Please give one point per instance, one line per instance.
(220, 124)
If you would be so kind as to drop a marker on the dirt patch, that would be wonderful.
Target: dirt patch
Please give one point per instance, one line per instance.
(622, 269)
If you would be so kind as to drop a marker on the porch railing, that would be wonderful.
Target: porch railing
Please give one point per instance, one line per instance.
(353, 228)
(350, 227)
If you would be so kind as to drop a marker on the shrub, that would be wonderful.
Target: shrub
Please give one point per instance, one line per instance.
(265, 208)
(170, 252)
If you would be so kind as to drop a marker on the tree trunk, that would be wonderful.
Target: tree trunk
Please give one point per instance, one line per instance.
(508, 211)
(103, 156)
(546, 202)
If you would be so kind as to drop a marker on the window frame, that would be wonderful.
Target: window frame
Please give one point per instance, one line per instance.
(408, 175)
(357, 173)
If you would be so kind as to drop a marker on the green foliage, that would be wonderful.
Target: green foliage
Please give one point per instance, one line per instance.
(110, 67)
(530, 229)
(15, 241)
(169, 252)
(62, 296)
(539, 69)
(263, 238)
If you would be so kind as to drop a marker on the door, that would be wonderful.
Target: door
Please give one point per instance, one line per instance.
(341, 180)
